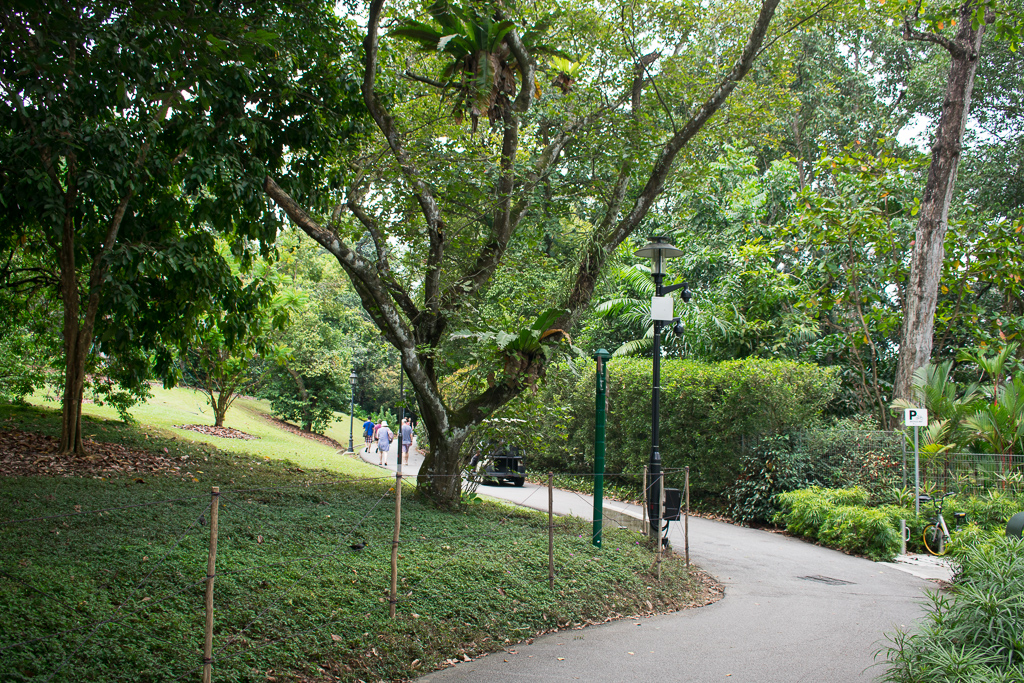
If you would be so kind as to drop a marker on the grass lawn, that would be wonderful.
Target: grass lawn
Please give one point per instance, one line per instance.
(102, 579)
(178, 406)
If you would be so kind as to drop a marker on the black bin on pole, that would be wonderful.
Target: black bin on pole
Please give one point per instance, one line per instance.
(673, 505)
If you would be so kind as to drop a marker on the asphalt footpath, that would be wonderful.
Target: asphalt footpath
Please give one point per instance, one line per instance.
(792, 611)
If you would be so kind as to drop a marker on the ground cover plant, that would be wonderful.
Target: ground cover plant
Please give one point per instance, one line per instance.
(855, 521)
(103, 576)
(976, 631)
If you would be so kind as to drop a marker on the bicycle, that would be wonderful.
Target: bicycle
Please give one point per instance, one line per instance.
(936, 533)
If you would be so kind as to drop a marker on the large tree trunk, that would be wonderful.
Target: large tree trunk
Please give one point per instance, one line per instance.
(927, 257)
(440, 476)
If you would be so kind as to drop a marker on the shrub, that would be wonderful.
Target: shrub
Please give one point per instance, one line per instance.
(977, 633)
(769, 469)
(839, 518)
(841, 455)
(709, 412)
(815, 513)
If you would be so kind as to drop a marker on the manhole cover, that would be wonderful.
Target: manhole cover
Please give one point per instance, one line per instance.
(827, 579)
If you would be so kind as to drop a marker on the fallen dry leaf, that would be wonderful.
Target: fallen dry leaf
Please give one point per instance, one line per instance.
(31, 454)
(223, 432)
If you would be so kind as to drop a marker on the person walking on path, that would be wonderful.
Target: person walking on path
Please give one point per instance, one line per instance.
(368, 433)
(384, 437)
(406, 440)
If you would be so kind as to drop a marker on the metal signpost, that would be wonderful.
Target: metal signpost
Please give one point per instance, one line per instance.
(916, 417)
(602, 357)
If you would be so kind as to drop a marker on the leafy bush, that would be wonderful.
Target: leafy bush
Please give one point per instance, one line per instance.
(769, 469)
(977, 633)
(821, 515)
(708, 412)
(839, 455)
(841, 519)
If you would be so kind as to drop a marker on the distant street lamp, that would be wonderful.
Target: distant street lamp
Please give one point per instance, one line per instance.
(659, 250)
(351, 411)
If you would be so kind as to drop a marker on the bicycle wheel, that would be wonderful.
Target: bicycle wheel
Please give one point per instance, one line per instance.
(934, 540)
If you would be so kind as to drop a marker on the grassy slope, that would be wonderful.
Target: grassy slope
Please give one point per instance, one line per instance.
(124, 587)
(185, 406)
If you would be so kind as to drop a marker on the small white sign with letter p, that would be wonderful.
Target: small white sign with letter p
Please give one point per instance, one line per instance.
(915, 417)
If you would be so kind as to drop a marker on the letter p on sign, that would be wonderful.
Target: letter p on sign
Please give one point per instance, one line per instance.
(915, 417)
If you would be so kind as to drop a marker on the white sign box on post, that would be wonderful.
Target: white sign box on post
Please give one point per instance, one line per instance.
(915, 417)
(661, 308)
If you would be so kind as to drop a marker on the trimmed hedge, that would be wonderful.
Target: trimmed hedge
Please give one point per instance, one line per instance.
(708, 413)
(840, 519)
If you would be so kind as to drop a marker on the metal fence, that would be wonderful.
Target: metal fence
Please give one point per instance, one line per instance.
(879, 460)
(970, 472)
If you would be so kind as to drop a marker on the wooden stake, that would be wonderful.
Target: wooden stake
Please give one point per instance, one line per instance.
(551, 530)
(394, 541)
(211, 570)
(686, 517)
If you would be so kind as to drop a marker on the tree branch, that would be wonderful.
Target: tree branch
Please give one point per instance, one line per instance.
(526, 68)
(422, 192)
(911, 34)
(429, 81)
(597, 251)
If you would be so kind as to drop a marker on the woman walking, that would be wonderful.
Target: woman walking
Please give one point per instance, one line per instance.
(384, 437)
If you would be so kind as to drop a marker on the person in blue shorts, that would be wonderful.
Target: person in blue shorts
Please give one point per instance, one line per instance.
(368, 434)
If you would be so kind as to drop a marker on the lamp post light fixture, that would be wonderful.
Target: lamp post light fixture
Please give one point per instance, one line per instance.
(352, 409)
(658, 250)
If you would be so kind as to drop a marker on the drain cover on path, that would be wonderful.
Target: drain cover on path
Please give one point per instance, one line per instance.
(826, 579)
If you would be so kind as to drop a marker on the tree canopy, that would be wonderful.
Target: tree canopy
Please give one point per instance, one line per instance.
(132, 134)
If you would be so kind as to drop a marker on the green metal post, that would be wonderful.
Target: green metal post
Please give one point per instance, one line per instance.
(601, 356)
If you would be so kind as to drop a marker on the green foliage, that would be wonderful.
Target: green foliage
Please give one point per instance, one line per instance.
(839, 518)
(975, 633)
(23, 364)
(998, 423)
(290, 595)
(707, 411)
(839, 455)
(132, 133)
(480, 68)
(852, 520)
(329, 336)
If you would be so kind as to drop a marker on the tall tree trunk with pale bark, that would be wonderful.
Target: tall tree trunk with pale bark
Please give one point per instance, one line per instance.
(927, 257)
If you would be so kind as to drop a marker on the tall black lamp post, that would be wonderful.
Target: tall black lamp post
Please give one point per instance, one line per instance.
(659, 250)
(351, 412)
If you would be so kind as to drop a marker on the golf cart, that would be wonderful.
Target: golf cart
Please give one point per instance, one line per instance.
(503, 463)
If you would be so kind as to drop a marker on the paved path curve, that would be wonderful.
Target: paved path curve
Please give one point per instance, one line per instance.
(776, 623)
(773, 624)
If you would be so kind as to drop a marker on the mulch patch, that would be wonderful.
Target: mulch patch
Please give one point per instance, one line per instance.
(30, 454)
(225, 432)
